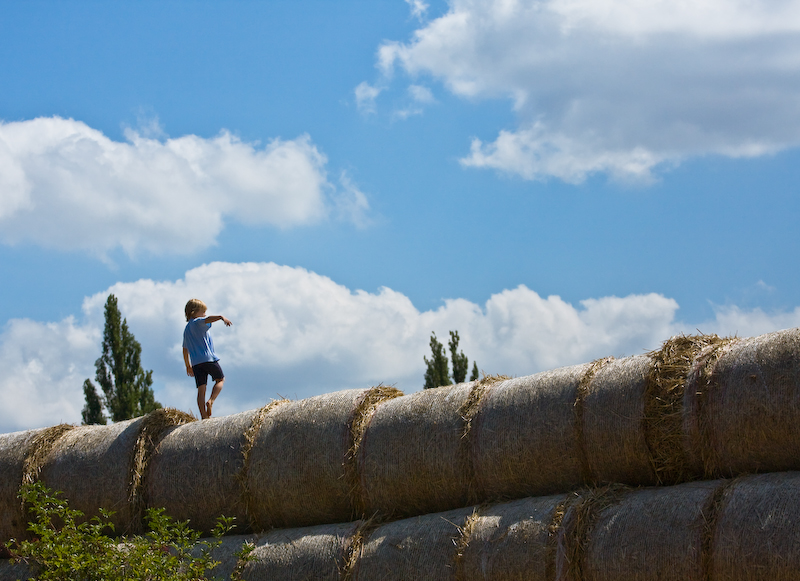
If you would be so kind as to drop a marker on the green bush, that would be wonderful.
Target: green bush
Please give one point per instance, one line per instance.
(65, 546)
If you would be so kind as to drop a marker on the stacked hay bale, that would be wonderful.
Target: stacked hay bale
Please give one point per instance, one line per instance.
(698, 408)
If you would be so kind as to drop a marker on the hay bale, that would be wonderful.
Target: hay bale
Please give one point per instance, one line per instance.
(301, 554)
(757, 533)
(21, 456)
(301, 460)
(667, 417)
(193, 472)
(526, 439)
(750, 413)
(511, 541)
(651, 533)
(413, 459)
(90, 465)
(613, 426)
(421, 548)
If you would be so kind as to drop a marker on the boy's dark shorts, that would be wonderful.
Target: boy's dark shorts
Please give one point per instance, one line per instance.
(203, 370)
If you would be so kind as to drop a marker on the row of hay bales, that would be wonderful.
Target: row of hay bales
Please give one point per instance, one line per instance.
(744, 529)
(700, 407)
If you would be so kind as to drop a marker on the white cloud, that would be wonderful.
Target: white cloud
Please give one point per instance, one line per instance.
(421, 94)
(616, 86)
(66, 185)
(419, 8)
(296, 333)
(366, 95)
(45, 365)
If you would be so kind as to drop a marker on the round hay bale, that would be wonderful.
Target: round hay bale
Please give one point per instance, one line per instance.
(413, 458)
(613, 426)
(751, 410)
(757, 533)
(651, 533)
(299, 468)
(21, 455)
(511, 542)
(421, 548)
(193, 472)
(91, 466)
(525, 437)
(301, 554)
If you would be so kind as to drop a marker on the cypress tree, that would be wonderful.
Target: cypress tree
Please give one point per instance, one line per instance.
(460, 361)
(437, 372)
(126, 386)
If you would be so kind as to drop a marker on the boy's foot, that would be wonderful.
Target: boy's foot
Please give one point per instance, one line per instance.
(208, 409)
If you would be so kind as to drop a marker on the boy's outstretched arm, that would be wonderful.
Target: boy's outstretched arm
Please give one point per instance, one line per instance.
(215, 318)
(189, 370)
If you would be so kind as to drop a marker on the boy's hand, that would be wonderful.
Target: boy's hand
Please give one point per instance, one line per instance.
(190, 372)
(226, 321)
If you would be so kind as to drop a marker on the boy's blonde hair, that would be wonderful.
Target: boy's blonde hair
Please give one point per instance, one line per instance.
(194, 307)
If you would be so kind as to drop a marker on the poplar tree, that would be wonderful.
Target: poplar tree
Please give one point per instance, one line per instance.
(437, 372)
(127, 391)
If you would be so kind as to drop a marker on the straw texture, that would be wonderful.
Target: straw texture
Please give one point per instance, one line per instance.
(305, 554)
(525, 437)
(757, 535)
(421, 548)
(90, 465)
(413, 459)
(653, 533)
(751, 411)
(613, 427)
(510, 542)
(298, 473)
(193, 472)
(14, 448)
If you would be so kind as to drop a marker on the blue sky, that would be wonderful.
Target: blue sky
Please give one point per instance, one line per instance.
(559, 180)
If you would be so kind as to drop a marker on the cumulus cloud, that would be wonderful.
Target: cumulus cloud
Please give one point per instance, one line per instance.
(616, 86)
(297, 334)
(66, 185)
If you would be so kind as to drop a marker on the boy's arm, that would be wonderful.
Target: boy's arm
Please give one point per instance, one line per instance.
(215, 318)
(189, 370)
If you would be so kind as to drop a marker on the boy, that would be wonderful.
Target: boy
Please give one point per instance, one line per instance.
(199, 356)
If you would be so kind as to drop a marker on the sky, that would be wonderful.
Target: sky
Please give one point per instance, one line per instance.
(557, 180)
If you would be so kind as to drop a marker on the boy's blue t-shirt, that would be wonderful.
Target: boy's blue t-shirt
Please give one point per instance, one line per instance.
(197, 340)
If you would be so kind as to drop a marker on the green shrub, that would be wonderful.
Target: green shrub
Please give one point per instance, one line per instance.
(67, 547)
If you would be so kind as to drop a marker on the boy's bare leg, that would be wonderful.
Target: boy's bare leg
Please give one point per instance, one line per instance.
(214, 393)
(201, 401)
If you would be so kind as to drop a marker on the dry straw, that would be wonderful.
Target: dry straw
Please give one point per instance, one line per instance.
(362, 414)
(650, 533)
(17, 465)
(362, 532)
(750, 407)
(90, 466)
(578, 526)
(757, 533)
(193, 471)
(298, 460)
(412, 459)
(248, 440)
(664, 415)
(153, 428)
(508, 541)
(524, 438)
(421, 548)
(613, 434)
(302, 554)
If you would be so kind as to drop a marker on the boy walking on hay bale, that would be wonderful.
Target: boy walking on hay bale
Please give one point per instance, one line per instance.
(199, 356)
